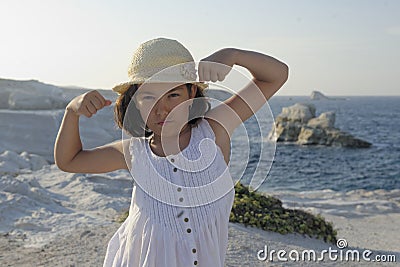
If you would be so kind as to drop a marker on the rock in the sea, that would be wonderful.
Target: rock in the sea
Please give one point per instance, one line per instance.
(298, 123)
(325, 120)
(339, 138)
(315, 95)
(288, 124)
(297, 113)
(286, 131)
(312, 136)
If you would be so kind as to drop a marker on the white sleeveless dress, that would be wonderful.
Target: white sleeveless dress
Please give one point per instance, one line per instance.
(180, 206)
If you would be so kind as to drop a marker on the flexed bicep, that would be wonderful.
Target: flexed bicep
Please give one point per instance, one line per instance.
(269, 74)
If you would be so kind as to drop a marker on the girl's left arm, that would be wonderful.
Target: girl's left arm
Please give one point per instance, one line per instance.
(269, 74)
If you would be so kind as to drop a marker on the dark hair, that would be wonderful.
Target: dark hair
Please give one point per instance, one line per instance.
(134, 124)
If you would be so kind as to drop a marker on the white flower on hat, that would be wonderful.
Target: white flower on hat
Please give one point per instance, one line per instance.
(188, 71)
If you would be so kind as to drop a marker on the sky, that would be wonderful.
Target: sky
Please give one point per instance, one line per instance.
(336, 47)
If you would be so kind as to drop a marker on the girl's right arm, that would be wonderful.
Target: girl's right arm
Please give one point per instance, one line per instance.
(68, 153)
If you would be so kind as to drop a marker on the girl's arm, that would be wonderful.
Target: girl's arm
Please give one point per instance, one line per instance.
(69, 155)
(269, 74)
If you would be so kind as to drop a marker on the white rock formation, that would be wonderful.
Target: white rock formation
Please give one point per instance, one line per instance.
(298, 123)
(36, 131)
(325, 120)
(13, 163)
(316, 95)
(297, 113)
(30, 95)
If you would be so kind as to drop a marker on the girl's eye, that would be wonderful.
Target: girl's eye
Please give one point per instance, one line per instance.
(174, 95)
(148, 98)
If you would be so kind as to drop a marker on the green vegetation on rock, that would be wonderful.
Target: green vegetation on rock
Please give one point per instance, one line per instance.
(267, 213)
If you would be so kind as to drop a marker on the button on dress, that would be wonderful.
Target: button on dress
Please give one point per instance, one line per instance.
(180, 206)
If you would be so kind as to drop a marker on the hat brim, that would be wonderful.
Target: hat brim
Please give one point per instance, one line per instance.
(123, 87)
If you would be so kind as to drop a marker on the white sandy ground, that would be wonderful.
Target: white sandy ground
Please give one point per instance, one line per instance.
(369, 219)
(52, 218)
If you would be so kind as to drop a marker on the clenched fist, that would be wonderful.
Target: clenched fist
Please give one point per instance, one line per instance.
(88, 104)
(217, 66)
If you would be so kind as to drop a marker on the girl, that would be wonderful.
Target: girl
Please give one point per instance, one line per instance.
(177, 154)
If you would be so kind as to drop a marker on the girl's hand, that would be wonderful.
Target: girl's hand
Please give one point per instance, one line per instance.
(208, 71)
(88, 104)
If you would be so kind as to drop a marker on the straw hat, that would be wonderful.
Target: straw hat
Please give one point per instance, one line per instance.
(161, 60)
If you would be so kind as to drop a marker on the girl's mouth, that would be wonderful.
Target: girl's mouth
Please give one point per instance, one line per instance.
(163, 122)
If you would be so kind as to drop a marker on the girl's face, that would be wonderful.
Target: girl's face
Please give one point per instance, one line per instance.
(164, 107)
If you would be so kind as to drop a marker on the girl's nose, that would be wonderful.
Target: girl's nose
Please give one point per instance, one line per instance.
(161, 107)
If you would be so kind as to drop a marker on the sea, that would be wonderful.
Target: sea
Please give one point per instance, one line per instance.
(290, 167)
